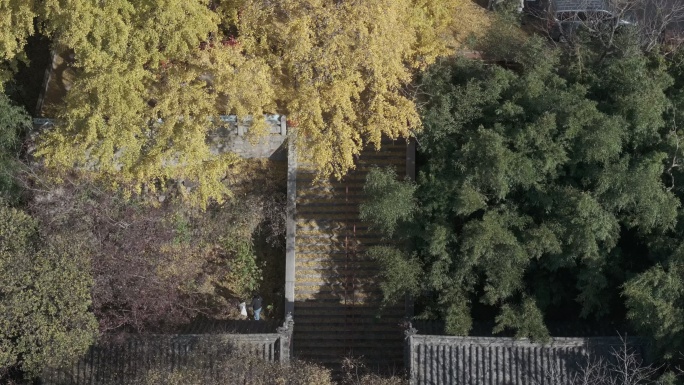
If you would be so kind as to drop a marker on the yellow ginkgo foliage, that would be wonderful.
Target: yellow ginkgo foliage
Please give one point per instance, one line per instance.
(16, 25)
(341, 67)
(154, 74)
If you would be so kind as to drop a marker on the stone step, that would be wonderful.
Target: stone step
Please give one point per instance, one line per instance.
(350, 185)
(324, 330)
(341, 298)
(321, 243)
(316, 213)
(391, 154)
(339, 274)
(322, 263)
(357, 340)
(333, 262)
(316, 251)
(356, 175)
(334, 313)
(326, 222)
(340, 267)
(313, 243)
(334, 228)
(342, 322)
(339, 228)
(390, 317)
(358, 289)
(358, 292)
(368, 348)
(339, 242)
(373, 314)
(357, 286)
(333, 360)
(311, 219)
(339, 232)
(306, 305)
(325, 199)
(352, 323)
(374, 351)
(327, 191)
(329, 195)
(338, 299)
(340, 235)
(370, 269)
(338, 287)
(363, 167)
(312, 274)
(336, 267)
(333, 249)
(394, 151)
(326, 204)
(352, 218)
(359, 277)
(336, 250)
(342, 288)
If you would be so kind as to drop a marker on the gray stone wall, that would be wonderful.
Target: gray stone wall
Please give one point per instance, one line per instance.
(234, 137)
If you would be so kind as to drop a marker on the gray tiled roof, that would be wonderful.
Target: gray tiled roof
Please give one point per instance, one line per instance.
(124, 362)
(437, 360)
(210, 326)
(583, 329)
(126, 358)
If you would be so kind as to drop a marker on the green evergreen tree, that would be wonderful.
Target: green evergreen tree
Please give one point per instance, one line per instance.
(542, 184)
(44, 298)
(13, 120)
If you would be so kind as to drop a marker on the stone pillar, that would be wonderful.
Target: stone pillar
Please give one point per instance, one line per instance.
(285, 340)
(411, 159)
(411, 175)
(283, 125)
(409, 333)
(290, 224)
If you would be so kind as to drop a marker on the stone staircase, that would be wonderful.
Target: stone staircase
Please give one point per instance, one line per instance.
(337, 298)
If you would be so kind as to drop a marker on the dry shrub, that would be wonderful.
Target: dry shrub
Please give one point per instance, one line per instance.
(157, 262)
(241, 369)
(356, 372)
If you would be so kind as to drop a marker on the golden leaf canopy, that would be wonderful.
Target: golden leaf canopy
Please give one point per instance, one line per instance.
(153, 73)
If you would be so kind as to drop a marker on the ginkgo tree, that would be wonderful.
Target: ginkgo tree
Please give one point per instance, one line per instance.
(154, 75)
(342, 66)
(16, 25)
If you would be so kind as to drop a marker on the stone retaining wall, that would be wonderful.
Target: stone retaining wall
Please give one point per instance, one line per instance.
(233, 136)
